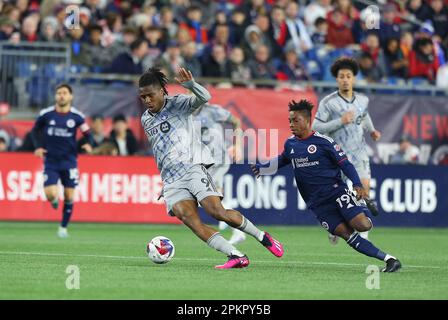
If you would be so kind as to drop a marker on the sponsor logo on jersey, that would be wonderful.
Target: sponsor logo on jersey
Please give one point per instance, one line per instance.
(311, 148)
(165, 127)
(70, 123)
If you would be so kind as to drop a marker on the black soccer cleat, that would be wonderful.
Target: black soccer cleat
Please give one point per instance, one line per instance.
(371, 205)
(392, 265)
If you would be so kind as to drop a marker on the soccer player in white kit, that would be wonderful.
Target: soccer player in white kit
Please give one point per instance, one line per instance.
(343, 116)
(183, 161)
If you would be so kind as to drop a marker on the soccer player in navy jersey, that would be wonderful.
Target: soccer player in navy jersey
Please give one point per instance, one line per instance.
(58, 125)
(317, 162)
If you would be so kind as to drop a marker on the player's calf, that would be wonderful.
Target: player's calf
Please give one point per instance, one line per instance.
(361, 223)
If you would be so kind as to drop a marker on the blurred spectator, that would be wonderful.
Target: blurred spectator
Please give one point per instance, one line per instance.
(395, 61)
(194, 26)
(123, 44)
(439, 18)
(49, 30)
(29, 28)
(320, 33)
(239, 71)
(220, 38)
(389, 28)
(316, 9)
(85, 17)
(238, 25)
(406, 43)
(279, 30)
(292, 69)
(6, 28)
(191, 61)
(427, 31)
(407, 153)
(168, 24)
(264, 24)
(156, 46)
(418, 9)
(3, 144)
(76, 37)
(422, 60)
(208, 9)
(96, 12)
(368, 70)
(97, 131)
(122, 137)
(262, 67)
(371, 46)
(252, 39)
(130, 62)
(442, 77)
(300, 37)
(218, 66)
(170, 61)
(106, 149)
(97, 56)
(255, 8)
(339, 29)
(183, 37)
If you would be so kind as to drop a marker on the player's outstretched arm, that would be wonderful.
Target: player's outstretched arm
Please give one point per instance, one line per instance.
(271, 167)
(186, 80)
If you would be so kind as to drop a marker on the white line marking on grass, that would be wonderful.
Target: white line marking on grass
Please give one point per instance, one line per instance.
(57, 254)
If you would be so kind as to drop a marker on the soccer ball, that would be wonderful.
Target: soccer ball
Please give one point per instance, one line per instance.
(160, 250)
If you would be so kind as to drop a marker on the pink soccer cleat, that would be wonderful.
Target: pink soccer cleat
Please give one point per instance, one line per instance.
(234, 262)
(272, 245)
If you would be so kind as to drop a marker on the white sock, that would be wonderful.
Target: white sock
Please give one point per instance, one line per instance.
(217, 241)
(388, 256)
(249, 228)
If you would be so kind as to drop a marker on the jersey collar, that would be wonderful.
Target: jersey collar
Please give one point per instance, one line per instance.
(311, 134)
(353, 98)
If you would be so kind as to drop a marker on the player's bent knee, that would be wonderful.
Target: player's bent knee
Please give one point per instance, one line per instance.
(365, 225)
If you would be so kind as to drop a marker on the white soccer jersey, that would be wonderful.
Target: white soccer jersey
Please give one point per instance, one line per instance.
(350, 136)
(171, 134)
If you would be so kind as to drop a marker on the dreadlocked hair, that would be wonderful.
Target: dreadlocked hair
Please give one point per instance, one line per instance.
(303, 105)
(153, 76)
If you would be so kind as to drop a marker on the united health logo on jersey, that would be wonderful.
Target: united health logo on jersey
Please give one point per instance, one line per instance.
(311, 149)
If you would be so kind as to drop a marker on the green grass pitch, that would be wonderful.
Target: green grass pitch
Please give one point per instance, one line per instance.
(113, 265)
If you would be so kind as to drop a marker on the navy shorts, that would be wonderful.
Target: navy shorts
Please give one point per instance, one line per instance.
(342, 207)
(69, 177)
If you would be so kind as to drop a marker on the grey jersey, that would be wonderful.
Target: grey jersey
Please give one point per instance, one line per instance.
(212, 118)
(171, 134)
(350, 136)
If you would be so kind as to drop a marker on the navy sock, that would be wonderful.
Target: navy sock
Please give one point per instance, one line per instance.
(67, 213)
(365, 247)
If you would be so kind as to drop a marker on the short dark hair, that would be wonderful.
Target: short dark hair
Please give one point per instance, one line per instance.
(153, 76)
(64, 85)
(319, 21)
(344, 63)
(119, 117)
(136, 44)
(303, 105)
(97, 117)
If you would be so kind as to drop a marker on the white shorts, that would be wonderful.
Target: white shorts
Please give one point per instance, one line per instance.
(218, 171)
(362, 168)
(196, 185)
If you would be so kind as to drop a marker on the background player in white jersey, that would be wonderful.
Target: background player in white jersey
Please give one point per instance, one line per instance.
(213, 119)
(183, 160)
(343, 115)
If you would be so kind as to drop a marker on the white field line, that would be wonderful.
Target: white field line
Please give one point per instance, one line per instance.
(55, 254)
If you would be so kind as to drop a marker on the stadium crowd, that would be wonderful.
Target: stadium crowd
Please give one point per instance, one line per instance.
(241, 40)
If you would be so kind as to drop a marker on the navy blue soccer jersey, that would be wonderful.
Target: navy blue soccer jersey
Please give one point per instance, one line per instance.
(59, 136)
(317, 162)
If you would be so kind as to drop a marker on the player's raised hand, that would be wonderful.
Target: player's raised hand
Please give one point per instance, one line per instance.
(376, 135)
(255, 170)
(40, 152)
(361, 193)
(87, 148)
(348, 117)
(183, 75)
